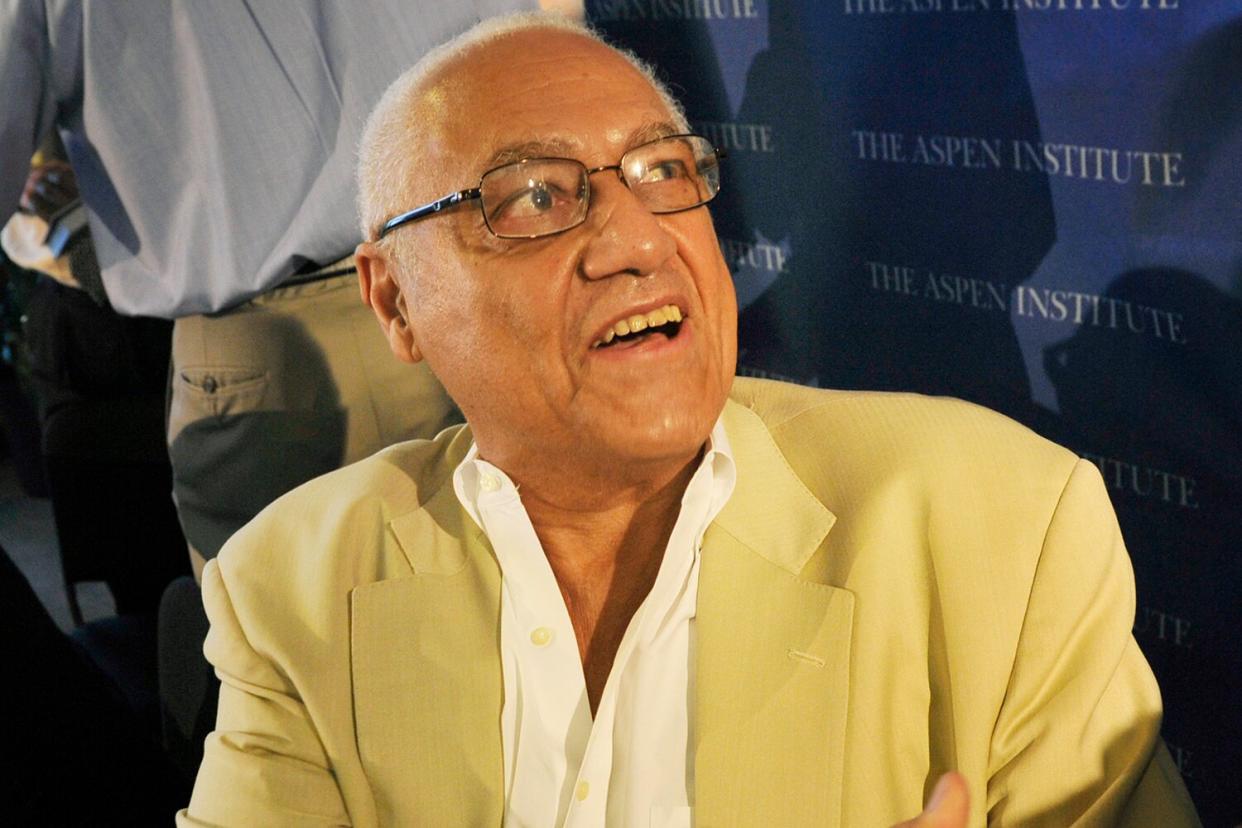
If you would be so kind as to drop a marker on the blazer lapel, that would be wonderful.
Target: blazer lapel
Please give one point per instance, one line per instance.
(773, 650)
(427, 675)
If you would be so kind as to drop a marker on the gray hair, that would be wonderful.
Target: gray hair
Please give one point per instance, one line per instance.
(384, 151)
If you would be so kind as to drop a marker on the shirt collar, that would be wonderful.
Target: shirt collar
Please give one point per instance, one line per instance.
(475, 478)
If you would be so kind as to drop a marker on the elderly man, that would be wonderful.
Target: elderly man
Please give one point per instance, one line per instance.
(634, 590)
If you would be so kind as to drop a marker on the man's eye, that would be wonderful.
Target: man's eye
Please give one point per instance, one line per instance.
(664, 171)
(530, 201)
(540, 199)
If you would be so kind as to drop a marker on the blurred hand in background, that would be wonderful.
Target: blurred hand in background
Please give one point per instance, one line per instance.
(50, 186)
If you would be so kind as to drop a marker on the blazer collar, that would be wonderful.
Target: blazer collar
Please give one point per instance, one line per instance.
(772, 658)
(771, 511)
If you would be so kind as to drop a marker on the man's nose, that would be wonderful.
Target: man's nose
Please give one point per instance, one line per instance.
(626, 238)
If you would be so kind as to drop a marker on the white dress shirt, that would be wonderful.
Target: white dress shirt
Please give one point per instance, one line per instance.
(633, 765)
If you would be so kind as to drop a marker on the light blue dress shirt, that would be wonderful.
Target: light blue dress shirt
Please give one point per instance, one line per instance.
(213, 140)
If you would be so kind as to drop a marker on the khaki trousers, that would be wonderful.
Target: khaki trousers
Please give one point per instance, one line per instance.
(286, 387)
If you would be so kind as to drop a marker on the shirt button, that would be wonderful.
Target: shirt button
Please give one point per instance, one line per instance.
(541, 636)
(583, 790)
(489, 483)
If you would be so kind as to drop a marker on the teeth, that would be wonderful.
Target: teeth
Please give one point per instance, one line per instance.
(640, 322)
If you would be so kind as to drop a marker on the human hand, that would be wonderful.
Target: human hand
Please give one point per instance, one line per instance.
(949, 806)
(49, 187)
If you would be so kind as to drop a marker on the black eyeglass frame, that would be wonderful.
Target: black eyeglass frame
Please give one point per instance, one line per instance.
(475, 193)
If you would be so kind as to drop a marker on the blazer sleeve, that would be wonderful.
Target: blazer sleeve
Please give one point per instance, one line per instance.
(1077, 738)
(264, 763)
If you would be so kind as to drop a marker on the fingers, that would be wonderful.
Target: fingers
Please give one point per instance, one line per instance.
(49, 187)
(948, 806)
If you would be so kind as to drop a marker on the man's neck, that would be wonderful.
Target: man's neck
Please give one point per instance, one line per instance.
(605, 553)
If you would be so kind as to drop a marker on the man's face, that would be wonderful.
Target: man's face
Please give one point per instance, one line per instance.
(512, 327)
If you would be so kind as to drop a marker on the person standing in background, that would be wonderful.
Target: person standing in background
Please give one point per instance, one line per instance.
(214, 150)
(99, 379)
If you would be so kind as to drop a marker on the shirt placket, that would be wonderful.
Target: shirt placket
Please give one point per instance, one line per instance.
(550, 680)
(562, 761)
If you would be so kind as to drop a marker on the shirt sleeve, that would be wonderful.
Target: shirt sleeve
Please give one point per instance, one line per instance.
(27, 112)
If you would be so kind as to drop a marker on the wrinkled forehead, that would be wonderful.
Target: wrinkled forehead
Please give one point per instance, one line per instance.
(536, 93)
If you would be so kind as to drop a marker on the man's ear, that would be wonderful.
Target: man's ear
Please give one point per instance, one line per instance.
(377, 280)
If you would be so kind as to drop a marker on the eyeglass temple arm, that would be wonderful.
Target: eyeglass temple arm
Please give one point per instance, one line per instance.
(428, 209)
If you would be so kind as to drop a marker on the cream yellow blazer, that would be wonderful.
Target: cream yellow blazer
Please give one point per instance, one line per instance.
(899, 586)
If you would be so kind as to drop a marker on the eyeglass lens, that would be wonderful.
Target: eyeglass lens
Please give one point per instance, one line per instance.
(541, 196)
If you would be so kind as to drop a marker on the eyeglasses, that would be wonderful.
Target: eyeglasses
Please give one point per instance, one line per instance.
(538, 197)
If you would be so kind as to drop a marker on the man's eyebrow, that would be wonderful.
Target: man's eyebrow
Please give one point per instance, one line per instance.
(651, 131)
(548, 148)
(562, 148)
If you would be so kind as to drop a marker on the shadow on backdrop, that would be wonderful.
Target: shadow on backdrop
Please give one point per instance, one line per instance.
(827, 76)
(1163, 421)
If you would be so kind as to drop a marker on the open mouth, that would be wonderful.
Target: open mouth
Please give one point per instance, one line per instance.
(665, 321)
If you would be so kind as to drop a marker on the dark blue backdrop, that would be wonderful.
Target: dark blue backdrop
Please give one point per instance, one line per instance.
(1032, 204)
